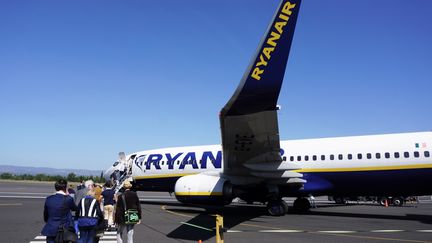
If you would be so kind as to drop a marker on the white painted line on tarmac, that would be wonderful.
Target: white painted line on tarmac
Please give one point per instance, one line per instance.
(11, 204)
(424, 231)
(108, 237)
(337, 231)
(234, 231)
(25, 197)
(29, 193)
(386, 231)
(281, 231)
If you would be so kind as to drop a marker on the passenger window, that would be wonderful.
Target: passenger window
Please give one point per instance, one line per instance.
(427, 154)
(396, 155)
(406, 154)
(331, 157)
(340, 157)
(387, 155)
(378, 155)
(306, 158)
(298, 158)
(322, 157)
(291, 158)
(349, 156)
(314, 158)
(369, 155)
(359, 156)
(284, 158)
(416, 154)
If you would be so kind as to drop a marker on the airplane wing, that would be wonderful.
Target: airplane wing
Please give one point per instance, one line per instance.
(249, 125)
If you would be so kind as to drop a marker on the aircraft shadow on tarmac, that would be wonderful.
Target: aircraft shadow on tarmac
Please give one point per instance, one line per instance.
(233, 215)
(237, 214)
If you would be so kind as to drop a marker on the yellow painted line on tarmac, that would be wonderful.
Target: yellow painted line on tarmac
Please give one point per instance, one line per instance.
(163, 207)
(11, 204)
(373, 238)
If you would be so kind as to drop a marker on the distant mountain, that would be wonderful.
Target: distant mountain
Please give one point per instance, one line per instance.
(19, 170)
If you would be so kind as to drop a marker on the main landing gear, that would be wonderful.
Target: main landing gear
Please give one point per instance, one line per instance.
(301, 205)
(277, 207)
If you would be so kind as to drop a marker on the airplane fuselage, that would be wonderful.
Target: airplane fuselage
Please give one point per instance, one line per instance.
(391, 164)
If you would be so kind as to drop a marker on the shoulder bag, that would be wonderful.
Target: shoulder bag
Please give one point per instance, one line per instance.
(130, 215)
(65, 234)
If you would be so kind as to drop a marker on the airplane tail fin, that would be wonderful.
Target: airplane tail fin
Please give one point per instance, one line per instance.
(261, 83)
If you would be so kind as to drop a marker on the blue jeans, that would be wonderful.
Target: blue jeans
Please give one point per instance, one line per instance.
(87, 236)
(130, 231)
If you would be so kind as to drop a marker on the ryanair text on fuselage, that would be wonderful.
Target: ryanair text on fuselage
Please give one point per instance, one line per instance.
(271, 42)
(179, 160)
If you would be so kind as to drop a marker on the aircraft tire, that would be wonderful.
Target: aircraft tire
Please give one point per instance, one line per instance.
(340, 200)
(301, 205)
(398, 201)
(277, 208)
(382, 200)
(285, 206)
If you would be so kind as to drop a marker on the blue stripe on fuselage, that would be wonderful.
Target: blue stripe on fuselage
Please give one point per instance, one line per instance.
(407, 182)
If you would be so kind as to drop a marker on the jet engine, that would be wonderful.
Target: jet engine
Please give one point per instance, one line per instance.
(203, 189)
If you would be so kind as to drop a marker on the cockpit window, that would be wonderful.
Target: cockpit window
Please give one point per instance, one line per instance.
(115, 164)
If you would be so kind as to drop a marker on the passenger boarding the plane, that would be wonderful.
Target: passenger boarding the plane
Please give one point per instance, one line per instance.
(129, 166)
(123, 170)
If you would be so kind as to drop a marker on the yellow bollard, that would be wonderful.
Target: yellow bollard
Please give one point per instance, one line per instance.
(219, 229)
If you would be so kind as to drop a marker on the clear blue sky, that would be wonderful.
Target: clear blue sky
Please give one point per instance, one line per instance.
(82, 80)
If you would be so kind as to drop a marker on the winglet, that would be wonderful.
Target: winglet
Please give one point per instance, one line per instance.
(261, 83)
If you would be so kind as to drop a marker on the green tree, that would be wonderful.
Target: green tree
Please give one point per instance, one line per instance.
(6, 176)
(71, 177)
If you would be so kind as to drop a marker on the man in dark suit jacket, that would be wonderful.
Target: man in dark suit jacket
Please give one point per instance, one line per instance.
(57, 211)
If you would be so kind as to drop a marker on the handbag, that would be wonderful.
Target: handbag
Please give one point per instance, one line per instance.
(65, 234)
(130, 215)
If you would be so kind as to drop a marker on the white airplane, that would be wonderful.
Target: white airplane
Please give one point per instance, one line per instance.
(254, 165)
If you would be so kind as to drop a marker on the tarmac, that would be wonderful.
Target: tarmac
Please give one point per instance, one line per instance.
(166, 220)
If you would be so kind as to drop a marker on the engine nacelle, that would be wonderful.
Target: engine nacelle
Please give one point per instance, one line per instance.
(203, 189)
